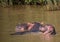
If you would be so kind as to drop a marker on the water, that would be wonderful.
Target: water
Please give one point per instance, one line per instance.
(14, 15)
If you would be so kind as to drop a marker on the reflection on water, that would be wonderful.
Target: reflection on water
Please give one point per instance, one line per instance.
(46, 38)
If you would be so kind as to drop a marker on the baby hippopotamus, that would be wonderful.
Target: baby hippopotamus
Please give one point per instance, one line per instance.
(48, 31)
(48, 28)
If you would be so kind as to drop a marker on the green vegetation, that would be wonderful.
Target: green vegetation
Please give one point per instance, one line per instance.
(50, 4)
(28, 1)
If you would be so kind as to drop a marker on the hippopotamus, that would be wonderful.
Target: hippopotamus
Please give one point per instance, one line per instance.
(48, 28)
(24, 28)
(34, 27)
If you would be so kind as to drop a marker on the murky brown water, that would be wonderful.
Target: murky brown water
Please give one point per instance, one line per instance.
(14, 15)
